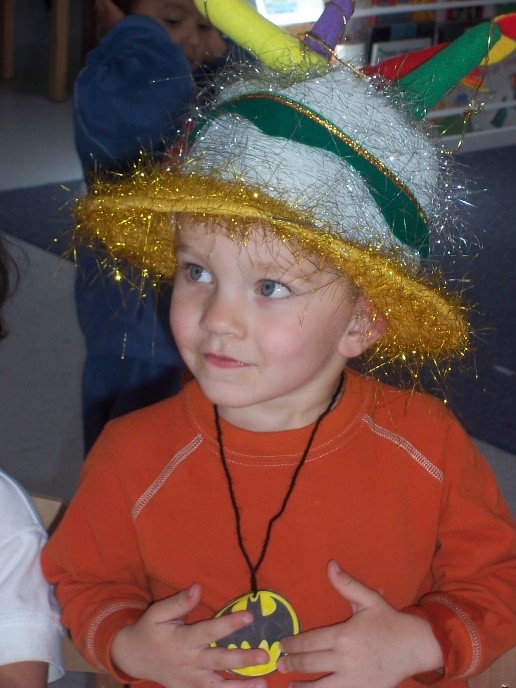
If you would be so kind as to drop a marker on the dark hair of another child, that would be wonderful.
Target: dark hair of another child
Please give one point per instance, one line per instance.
(7, 271)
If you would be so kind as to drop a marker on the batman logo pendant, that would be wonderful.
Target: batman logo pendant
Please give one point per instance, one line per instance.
(274, 619)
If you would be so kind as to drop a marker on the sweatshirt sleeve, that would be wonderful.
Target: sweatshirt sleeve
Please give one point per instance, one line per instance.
(133, 92)
(472, 604)
(94, 560)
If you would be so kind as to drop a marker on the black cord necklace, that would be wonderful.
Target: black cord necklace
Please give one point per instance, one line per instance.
(284, 621)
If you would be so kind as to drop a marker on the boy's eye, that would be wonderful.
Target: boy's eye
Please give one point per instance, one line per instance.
(272, 289)
(198, 274)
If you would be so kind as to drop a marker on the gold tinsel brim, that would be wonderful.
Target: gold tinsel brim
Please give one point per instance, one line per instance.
(133, 220)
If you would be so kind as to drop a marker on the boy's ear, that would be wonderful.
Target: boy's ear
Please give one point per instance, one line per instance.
(364, 329)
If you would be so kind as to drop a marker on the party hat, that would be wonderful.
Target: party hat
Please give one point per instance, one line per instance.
(317, 154)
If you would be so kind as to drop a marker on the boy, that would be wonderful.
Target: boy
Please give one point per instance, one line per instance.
(283, 504)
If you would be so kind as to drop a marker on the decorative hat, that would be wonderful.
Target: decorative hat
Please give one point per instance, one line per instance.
(326, 160)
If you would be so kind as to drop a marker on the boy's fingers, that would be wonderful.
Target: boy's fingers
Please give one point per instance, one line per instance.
(356, 593)
(176, 607)
(212, 630)
(307, 663)
(108, 14)
(360, 598)
(221, 658)
(310, 641)
(202, 633)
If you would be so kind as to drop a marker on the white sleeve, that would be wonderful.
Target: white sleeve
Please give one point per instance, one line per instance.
(29, 614)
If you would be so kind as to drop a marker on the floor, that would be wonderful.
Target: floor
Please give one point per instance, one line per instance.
(41, 360)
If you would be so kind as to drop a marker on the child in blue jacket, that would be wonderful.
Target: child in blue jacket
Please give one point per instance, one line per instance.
(132, 96)
(137, 85)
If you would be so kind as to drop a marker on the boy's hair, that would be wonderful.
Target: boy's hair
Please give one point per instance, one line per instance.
(8, 269)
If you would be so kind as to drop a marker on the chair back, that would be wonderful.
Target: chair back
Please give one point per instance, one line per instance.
(501, 674)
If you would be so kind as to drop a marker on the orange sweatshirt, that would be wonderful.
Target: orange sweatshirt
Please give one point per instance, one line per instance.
(393, 489)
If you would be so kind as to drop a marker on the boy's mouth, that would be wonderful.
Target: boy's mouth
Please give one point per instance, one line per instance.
(223, 361)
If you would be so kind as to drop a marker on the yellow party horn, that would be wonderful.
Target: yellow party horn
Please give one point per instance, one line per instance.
(272, 45)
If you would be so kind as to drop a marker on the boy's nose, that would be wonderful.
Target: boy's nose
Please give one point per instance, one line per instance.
(191, 35)
(224, 316)
(190, 43)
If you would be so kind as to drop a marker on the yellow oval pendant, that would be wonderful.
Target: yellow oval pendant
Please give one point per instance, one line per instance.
(274, 619)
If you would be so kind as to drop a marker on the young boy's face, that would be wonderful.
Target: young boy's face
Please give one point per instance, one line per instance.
(186, 27)
(265, 334)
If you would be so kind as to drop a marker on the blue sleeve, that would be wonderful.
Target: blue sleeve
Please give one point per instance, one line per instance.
(132, 94)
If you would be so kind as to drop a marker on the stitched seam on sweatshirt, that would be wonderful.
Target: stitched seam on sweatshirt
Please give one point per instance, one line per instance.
(156, 486)
(344, 436)
(97, 620)
(261, 463)
(414, 453)
(476, 644)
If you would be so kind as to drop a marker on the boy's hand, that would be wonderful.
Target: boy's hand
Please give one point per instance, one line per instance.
(378, 646)
(108, 14)
(161, 647)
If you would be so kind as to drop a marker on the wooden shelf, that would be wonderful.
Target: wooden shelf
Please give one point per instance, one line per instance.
(450, 112)
(481, 140)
